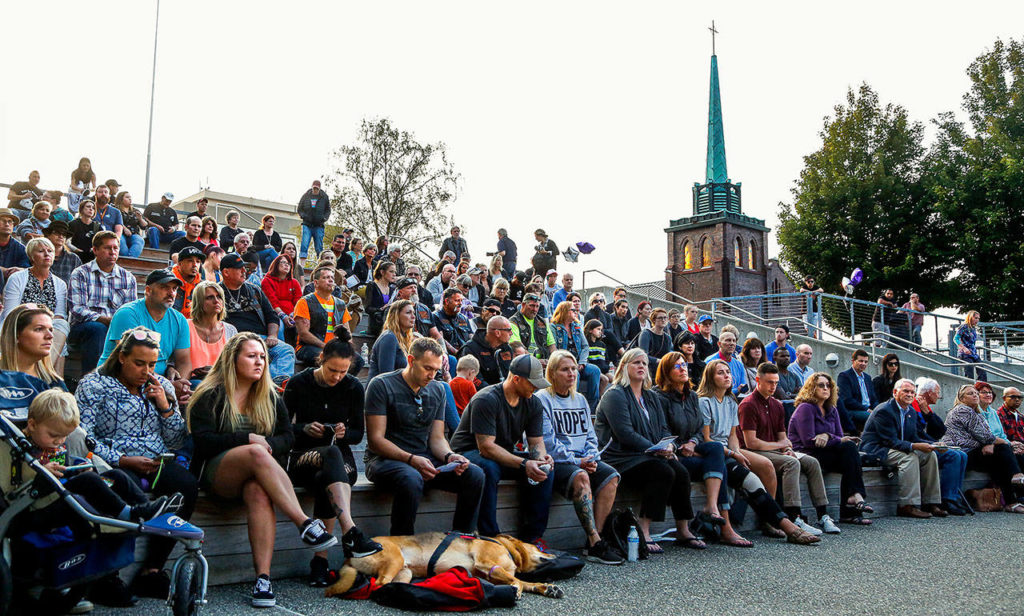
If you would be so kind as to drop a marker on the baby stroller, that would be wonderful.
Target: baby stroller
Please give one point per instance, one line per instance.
(48, 573)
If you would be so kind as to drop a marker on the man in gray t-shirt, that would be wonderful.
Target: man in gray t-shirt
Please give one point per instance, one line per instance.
(405, 443)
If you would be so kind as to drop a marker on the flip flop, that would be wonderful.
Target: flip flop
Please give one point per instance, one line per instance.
(654, 548)
(863, 507)
(692, 543)
(737, 543)
(857, 521)
(711, 518)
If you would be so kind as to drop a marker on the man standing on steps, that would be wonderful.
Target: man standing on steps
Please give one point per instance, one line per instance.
(155, 312)
(891, 434)
(405, 443)
(456, 243)
(163, 221)
(314, 210)
(249, 310)
(508, 252)
(96, 291)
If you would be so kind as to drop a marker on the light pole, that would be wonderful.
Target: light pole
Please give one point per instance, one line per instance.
(152, 91)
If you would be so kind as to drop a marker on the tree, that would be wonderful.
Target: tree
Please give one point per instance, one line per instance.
(976, 179)
(390, 184)
(859, 202)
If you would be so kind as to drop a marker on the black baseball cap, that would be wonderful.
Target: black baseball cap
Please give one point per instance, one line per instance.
(161, 276)
(191, 252)
(406, 282)
(232, 261)
(57, 226)
(529, 368)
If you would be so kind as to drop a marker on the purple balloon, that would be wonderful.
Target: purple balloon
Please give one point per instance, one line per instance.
(856, 277)
(585, 247)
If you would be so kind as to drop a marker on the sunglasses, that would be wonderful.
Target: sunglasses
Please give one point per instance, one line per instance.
(419, 406)
(892, 363)
(1014, 397)
(823, 386)
(144, 334)
(492, 310)
(530, 297)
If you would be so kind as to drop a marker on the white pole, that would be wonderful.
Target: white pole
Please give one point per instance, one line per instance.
(152, 90)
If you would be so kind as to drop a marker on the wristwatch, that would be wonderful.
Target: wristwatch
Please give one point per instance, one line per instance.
(522, 464)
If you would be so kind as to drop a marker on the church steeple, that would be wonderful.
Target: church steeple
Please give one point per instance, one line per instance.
(718, 193)
(716, 169)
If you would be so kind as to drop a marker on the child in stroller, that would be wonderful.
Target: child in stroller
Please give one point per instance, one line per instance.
(52, 416)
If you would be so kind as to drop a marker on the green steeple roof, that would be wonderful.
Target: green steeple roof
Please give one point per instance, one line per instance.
(716, 171)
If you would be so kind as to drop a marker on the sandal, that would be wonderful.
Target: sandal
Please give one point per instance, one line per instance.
(692, 542)
(654, 548)
(862, 507)
(1014, 508)
(856, 520)
(739, 542)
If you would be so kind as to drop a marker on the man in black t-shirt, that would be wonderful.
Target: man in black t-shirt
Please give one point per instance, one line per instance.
(23, 195)
(163, 221)
(405, 443)
(193, 225)
(491, 428)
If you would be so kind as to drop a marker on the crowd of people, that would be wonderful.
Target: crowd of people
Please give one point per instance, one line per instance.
(246, 373)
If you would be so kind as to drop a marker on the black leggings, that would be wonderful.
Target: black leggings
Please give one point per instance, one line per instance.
(1001, 465)
(93, 491)
(662, 482)
(320, 467)
(843, 458)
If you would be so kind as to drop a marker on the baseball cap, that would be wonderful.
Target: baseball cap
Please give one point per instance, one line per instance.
(474, 271)
(189, 252)
(406, 282)
(492, 303)
(529, 368)
(112, 181)
(316, 183)
(705, 317)
(161, 276)
(551, 273)
(169, 196)
(231, 261)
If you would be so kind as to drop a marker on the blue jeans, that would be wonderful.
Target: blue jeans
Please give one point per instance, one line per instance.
(952, 466)
(89, 338)
(267, 256)
(451, 412)
(132, 245)
(508, 269)
(156, 236)
(317, 233)
(915, 335)
(590, 384)
(282, 360)
(534, 500)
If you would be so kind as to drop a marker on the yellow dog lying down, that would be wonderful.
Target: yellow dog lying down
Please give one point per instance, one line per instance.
(406, 557)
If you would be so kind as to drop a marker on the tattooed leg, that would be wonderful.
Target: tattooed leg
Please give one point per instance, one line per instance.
(583, 501)
(340, 495)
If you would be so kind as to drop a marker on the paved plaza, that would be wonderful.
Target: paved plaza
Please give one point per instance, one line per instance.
(955, 566)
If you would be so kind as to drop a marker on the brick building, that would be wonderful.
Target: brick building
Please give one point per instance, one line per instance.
(719, 251)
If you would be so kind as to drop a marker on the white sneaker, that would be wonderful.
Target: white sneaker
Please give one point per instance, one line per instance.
(804, 526)
(829, 525)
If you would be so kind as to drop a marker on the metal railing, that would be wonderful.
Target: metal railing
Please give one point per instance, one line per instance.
(1002, 339)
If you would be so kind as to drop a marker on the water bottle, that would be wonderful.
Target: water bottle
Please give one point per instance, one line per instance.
(633, 545)
(365, 352)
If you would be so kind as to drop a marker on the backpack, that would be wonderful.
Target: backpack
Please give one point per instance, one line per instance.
(616, 530)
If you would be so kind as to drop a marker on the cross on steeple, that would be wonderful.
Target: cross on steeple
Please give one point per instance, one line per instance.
(713, 33)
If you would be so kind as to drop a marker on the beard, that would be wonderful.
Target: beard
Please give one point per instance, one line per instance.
(102, 200)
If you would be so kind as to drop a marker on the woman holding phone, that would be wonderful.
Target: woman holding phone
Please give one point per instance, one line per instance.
(132, 415)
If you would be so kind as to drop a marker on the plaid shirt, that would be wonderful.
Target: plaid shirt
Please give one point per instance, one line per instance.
(1013, 423)
(95, 293)
(64, 265)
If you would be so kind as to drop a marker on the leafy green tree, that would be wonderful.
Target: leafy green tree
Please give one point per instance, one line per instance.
(859, 202)
(976, 179)
(388, 183)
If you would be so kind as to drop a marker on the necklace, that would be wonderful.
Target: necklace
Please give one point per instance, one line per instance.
(210, 334)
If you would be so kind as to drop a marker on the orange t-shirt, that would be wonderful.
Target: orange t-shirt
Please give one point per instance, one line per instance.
(186, 290)
(302, 311)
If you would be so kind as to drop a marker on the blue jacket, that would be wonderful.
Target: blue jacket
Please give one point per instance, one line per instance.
(882, 431)
(562, 340)
(849, 391)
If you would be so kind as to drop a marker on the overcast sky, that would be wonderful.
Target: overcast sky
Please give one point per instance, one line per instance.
(586, 118)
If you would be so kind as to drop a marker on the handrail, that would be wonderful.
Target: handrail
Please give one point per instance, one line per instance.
(414, 245)
(842, 298)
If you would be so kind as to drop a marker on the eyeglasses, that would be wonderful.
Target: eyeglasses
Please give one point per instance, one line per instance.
(823, 386)
(530, 297)
(680, 365)
(892, 363)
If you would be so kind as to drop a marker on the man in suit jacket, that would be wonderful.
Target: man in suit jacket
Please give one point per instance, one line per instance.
(857, 393)
(891, 434)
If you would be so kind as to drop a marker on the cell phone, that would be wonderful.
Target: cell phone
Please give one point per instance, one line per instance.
(167, 457)
(77, 467)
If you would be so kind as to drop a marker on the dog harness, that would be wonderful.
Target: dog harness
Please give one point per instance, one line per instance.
(443, 547)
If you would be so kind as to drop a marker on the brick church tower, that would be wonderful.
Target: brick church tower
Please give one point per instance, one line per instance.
(719, 251)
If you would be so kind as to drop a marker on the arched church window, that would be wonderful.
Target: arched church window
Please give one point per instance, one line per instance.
(687, 255)
(705, 253)
(737, 258)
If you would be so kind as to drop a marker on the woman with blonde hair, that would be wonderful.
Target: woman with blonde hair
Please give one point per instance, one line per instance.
(242, 432)
(967, 429)
(500, 291)
(25, 341)
(720, 413)
(391, 347)
(965, 338)
(629, 422)
(494, 270)
(569, 337)
(690, 319)
(207, 330)
(815, 429)
(38, 285)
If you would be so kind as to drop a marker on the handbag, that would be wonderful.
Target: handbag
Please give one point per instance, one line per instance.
(986, 499)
